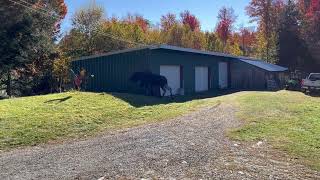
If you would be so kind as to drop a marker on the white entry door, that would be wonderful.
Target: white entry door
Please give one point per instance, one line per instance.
(223, 75)
(201, 78)
(172, 73)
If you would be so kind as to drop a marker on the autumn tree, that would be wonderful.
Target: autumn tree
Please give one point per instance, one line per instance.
(233, 48)
(138, 20)
(75, 44)
(260, 11)
(226, 19)
(267, 14)
(247, 39)
(213, 42)
(190, 20)
(61, 71)
(311, 14)
(310, 27)
(93, 33)
(154, 36)
(171, 30)
(192, 39)
(174, 35)
(184, 32)
(117, 35)
(168, 21)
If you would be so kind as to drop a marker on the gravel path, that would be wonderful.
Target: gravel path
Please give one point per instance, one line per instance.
(193, 146)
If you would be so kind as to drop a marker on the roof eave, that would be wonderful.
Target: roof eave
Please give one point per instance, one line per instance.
(112, 53)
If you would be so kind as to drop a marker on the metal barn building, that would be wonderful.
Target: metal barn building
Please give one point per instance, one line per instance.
(256, 75)
(188, 71)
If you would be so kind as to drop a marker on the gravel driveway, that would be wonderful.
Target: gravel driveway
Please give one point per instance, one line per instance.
(193, 146)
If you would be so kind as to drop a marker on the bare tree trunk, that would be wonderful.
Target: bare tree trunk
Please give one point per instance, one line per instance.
(244, 46)
(268, 44)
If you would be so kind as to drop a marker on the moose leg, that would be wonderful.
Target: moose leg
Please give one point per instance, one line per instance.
(171, 93)
(170, 90)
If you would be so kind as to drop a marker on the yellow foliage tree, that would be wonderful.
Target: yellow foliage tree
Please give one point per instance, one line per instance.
(61, 71)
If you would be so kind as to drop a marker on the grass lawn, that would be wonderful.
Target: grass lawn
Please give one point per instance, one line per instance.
(39, 119)
(290, 121)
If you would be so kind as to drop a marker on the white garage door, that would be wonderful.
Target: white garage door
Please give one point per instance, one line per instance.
(201, 79)
(223, 75)
(172, 73)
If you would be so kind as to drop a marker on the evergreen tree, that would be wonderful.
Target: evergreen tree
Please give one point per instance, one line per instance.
(292, 49)
(27, 47)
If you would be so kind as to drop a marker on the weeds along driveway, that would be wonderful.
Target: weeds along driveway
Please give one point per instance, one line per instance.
(192, 146)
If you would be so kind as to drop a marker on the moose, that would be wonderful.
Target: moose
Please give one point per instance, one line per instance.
(148, 81)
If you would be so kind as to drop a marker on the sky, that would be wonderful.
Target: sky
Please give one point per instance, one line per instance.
(205, 10)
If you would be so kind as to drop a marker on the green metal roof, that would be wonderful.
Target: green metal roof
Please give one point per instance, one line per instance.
(255, 62)
(264, 65)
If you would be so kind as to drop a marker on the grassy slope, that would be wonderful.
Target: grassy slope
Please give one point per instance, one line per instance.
(289, 120)
(38, 119)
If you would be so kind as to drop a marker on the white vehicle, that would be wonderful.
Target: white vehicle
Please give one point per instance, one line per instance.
(311, 83)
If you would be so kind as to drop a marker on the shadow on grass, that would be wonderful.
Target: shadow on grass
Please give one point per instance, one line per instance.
(313, 94)
(59, 100)
(140, 100)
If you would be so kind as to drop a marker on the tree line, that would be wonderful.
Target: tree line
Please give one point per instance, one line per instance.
(35, 57)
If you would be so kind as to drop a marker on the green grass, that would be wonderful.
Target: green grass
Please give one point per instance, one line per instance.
(290, 121)
(39, 119)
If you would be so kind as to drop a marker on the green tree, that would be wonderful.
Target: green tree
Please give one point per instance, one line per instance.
(92, 33)
(17, 41)
(154, 36)
(234, 49)
(87, 20)
(292, 49)
(85, 25)
(213, 42)
(117, 35)
(174, 35)
(27, 42)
